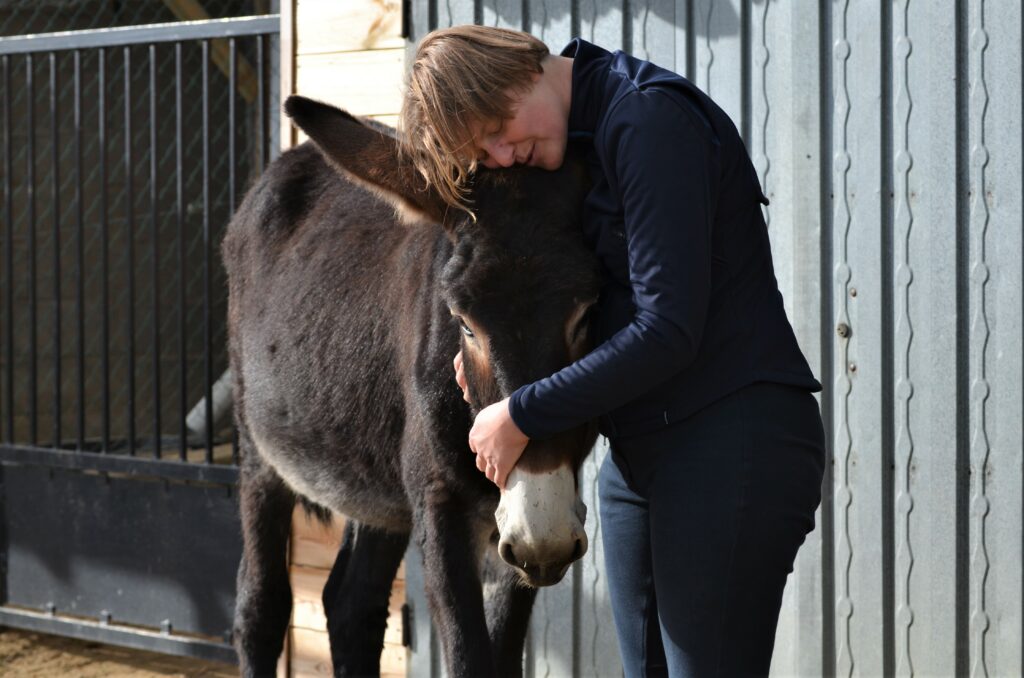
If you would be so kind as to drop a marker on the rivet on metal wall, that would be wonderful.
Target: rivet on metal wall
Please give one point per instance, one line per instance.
(853, 367)
(853, 291)
(843, 330)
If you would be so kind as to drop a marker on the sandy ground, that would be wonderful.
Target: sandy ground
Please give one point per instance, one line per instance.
(36, 655)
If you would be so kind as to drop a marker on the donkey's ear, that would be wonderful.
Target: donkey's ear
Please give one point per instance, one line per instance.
(369, 156)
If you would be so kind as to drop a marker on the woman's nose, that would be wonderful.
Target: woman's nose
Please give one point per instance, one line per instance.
(503, 154)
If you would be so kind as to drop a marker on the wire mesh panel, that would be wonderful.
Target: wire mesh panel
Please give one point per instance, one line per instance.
(125, 164)
(125, 151)
(28, 17)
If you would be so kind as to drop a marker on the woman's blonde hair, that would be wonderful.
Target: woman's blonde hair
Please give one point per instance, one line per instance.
(461, 77)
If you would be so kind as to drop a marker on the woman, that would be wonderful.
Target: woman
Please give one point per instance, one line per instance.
(717, 450)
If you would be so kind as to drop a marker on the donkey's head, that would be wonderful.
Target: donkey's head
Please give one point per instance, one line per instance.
(519, 285)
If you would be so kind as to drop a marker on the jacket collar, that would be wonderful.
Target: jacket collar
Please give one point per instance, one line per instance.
(589, 75)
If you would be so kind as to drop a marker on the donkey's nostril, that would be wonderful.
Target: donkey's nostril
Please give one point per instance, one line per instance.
(505, 551)
(577, 551)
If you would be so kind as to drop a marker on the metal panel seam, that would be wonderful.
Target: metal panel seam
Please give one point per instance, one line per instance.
(762, 164)
(887, 363)
(843, 383)
(962, 633)
(826, 131)
(979, 390)
(904, 451)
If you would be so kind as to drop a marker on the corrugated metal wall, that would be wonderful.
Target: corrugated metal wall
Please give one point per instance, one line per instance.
(888, 136)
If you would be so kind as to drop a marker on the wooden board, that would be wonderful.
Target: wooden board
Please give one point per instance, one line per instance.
(308, 609)
(311, 656)
(314, 544)
(331, 26)
(363, 83)
(313, 549)
(287, 73)
(350, 54)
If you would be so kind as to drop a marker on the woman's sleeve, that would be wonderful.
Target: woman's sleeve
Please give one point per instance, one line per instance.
(666, 172)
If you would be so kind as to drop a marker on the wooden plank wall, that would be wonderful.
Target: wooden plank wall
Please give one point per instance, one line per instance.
(350, 54)
(312, 552)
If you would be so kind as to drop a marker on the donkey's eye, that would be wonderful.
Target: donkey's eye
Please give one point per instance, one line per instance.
(465, 328)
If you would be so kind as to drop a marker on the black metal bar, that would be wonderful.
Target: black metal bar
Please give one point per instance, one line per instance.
(156, 250)
(220, 474)
(962, 504)
(746, 74)
(30, 186)
(101, 112)
(261, 108)
(406, 31)
(8, 254)
(129, 197)
(80, 242)
(180, 215)
(114, 634)
(207, 324)
(55, 197)
(140, 35)
(232, 79)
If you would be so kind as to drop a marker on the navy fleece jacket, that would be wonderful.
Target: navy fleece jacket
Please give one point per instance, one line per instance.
(690, 310)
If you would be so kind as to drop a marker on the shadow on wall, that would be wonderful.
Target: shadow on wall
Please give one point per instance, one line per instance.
(712, 18)
(173, 555)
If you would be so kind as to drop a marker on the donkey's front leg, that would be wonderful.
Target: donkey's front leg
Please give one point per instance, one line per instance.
(508, 603)
(453, 585)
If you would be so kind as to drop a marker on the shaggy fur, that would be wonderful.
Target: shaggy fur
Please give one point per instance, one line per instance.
(341, 344)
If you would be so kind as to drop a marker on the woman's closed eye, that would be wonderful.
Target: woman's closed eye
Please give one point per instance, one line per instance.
(494, 130)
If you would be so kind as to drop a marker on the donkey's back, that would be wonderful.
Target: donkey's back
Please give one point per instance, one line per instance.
(323, 280)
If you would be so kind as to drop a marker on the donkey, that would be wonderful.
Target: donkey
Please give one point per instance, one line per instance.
(342, 324)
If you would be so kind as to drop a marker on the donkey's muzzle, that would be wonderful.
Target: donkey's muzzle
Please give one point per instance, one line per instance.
(540, 521)
(542, 574)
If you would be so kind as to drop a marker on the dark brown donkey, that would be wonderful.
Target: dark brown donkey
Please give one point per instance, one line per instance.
(343, 323)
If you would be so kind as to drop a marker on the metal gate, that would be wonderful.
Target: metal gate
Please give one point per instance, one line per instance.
(888, 135)
(125, 151)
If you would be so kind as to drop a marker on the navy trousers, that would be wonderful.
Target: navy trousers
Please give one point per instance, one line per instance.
(701, 523)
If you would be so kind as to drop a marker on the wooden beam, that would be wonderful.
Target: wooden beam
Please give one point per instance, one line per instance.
(363, 83)
(353, 25)
(288, 137)
(284, 662)
(192, 10)
(312, 656)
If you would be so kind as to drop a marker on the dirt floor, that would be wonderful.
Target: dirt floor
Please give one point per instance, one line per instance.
(36, 655)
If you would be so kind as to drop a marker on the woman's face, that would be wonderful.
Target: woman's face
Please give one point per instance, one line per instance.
(535, 135)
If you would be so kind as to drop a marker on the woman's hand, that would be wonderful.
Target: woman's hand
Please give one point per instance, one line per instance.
(497, 442)
(460, 376)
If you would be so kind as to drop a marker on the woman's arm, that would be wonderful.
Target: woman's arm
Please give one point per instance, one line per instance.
(666, 169)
